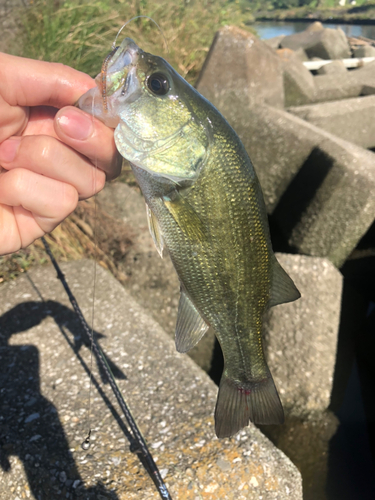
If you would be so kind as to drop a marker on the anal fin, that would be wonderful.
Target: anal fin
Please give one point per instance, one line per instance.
(190, 326)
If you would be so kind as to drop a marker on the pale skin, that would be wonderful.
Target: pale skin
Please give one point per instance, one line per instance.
(51, 154)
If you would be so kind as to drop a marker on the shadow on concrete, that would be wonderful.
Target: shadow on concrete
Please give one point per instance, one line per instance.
(29, 424)
(301, 190)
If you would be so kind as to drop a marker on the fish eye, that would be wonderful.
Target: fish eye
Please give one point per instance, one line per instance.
(158, 84)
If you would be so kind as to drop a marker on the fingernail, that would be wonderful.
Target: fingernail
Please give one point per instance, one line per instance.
(8, 149)
(75, 124)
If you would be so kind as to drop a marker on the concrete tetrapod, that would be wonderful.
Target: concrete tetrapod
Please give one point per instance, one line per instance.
(351, 119)
(301, 343)
(171, 398)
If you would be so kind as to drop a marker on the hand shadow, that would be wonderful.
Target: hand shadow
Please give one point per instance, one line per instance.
(29, 424)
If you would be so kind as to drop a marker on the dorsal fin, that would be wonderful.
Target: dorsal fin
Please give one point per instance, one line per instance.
(190, 326)
(283, 288)
(155, 231)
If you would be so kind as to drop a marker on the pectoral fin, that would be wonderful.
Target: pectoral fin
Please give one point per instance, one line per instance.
(283, 289)
(186, 217)
(155, 231)
(190, 326)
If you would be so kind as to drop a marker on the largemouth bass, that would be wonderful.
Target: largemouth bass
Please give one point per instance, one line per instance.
(205, 207)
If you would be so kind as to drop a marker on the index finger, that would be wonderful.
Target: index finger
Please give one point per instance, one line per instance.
(25, 82)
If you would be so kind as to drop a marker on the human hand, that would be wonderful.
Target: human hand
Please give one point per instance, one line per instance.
(48, 155)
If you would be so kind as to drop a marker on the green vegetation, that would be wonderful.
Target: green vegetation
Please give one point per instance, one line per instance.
(81, 33)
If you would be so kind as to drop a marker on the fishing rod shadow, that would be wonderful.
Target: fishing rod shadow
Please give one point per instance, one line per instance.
(30, 427)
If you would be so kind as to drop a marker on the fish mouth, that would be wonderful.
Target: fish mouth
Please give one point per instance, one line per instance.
(116, 79)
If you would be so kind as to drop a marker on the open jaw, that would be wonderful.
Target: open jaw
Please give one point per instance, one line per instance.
(116, 85)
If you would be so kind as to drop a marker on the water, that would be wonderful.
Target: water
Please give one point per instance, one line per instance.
(269, 29)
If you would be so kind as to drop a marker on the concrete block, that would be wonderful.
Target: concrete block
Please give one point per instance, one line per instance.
(364, 51)
(274, 42)
(299, 85)
(368, 68)
(301, 337)
(350, 119)
(327, 43)
(332, 87)
(315, 26)
(301, 341)
(301, 55)
(333, 68)
(329, 205)
(252, 72)
(45, 390)
(367, 75)
(288, 54)
(353, 83)
(151, 281)
(307, 443)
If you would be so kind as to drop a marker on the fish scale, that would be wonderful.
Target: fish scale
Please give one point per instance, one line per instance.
(205, 206)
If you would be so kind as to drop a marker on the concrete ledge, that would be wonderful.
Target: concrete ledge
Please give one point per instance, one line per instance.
(301, 342)
(325, 43)
(301, 337)
(45, 402)
(344, 85)
(350, 119)
(298, 81)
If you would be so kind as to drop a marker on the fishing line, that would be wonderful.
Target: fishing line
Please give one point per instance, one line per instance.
(86, 443)
(145, 17)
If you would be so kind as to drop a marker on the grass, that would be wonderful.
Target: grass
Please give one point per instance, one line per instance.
(80, 34)
(87, 233)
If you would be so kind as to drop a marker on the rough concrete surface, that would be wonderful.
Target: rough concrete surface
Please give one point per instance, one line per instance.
(299, 85)
(316, 26)
(364, 51)
(301, 337)
(332, 68)
(332, 87)
(350, 119)
(151, 281)
(274, 42)
(45, 404)
(325, 43)
(252, 73)
(333, 192)
(340, 85)
(300, 344)
(306, 442)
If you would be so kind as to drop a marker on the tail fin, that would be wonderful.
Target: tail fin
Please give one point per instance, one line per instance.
(237, 403)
